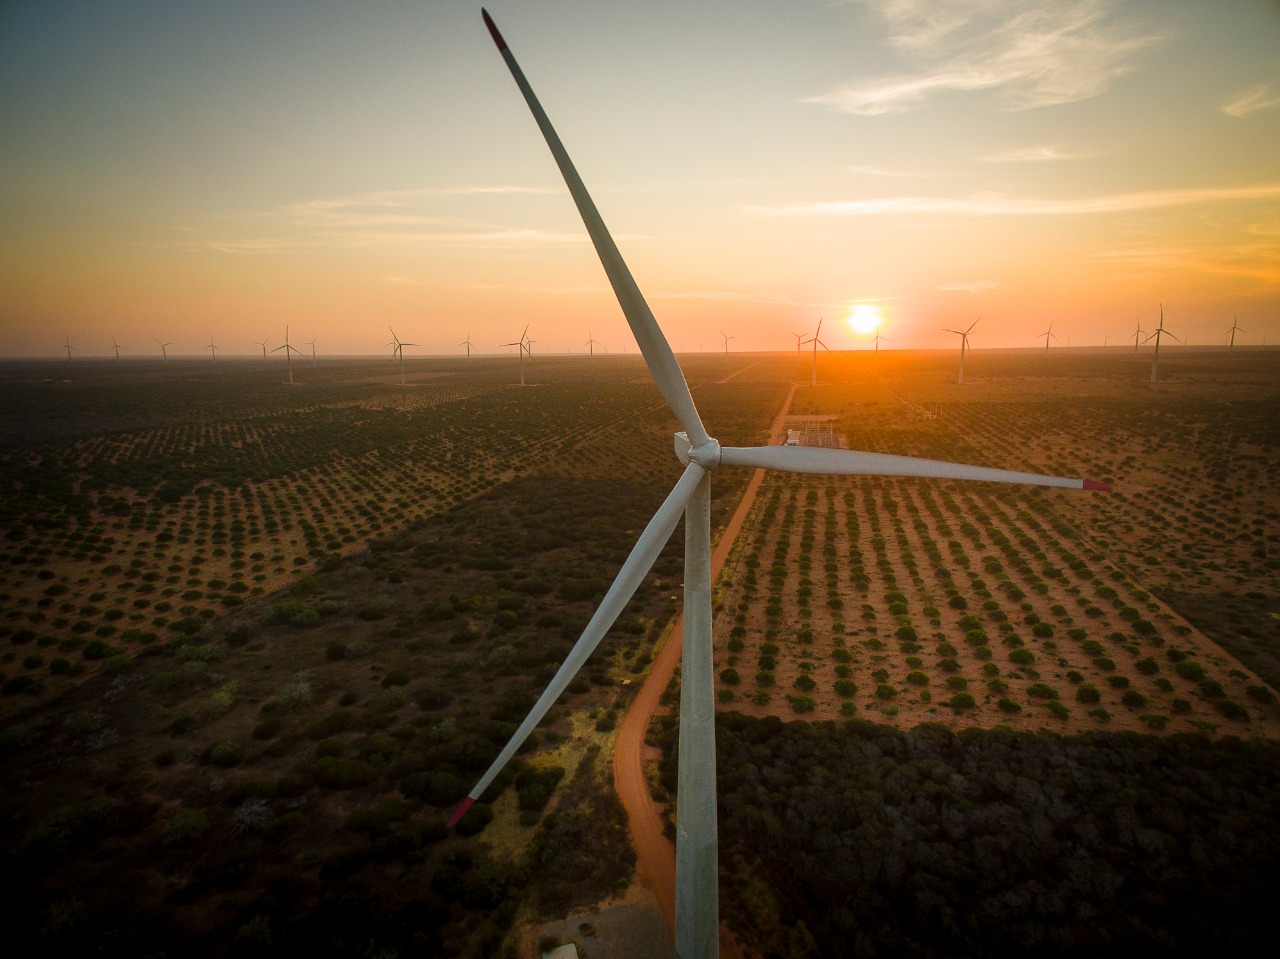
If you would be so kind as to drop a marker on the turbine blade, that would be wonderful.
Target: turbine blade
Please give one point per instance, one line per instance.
(818, 459)
(653, 344)
(643, 555)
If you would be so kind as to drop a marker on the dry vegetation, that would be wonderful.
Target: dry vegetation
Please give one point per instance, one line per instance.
(256, 641)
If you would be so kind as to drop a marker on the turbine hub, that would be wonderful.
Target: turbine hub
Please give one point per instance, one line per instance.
(707, 455)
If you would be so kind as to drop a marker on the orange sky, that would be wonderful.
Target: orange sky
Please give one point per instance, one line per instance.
(226, 170)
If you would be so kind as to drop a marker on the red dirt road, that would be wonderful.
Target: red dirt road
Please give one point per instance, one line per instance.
(656, 853)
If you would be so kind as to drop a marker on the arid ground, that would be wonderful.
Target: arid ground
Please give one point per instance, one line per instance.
(259, 639)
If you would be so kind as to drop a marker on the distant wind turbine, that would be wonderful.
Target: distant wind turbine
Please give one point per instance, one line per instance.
(69, 348)
(164, 352)
(964, 345)
(697, 922)
(115, 346)
(312, 343)
(1048, 334)
(1158, 335)
(263, 344)
(397, 349)
(468, 344)
(288, 354)
(213, 350)
(591, 345)
(1235, 328)
(1137, 337)
(727, 338)
(877, 340)
(817, 342)
(799, 337)
(523, 344)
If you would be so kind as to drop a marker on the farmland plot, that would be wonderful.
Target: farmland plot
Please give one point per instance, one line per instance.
(977, 604)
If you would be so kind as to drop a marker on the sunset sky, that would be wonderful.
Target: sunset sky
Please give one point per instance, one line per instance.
(186, 171)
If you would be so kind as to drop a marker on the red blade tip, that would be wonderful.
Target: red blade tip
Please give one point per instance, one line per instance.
(460, 811)
(1094, 484)
(493, 29)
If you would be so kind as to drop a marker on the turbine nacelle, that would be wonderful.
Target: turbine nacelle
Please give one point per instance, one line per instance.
(707, 455)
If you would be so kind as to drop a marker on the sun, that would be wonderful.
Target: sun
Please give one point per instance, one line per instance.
(864, 319)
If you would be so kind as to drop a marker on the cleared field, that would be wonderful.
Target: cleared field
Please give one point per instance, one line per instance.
(1151, 609)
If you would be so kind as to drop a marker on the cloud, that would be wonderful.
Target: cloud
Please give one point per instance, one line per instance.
(1255, 100)
(973, 286)
(880, 171)
(1031, 54)
(1038, 154)
(995, 205)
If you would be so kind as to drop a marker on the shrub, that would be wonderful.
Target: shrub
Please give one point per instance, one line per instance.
(1088, 693)
(1009, 706)
(1133, 699)
(730, 676)
(804, 683)
(885, 691)
(801, 704)
(846, 688)
(917, 678)
(963, 701)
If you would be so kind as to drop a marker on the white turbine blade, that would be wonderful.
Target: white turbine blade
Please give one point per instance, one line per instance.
(819, 459)
(653, 344)
(643, 555)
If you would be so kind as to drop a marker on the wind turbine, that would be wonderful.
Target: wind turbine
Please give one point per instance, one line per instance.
(397, 349)
(1159, 334)
(1235, 328)
(591, 345)
(1048, 334)
(263, 344)
(697, 870)
(213, 350)
(115, 346)
(312, 343)
(817, 342)
(288, 354)
(727, 338)
(1137, 335)
(877, 340)
(964, 345)
(523, 342)
(69, 348)
(468, 344)
(163, 349)
(799, 337)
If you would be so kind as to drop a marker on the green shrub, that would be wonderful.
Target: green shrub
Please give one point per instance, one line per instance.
(1009, 706)
(1088, 693)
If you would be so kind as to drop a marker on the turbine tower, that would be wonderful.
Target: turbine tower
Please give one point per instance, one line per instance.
(591, 345)
(164, 352)
(1137, 336)
(1235, 328)
(697, 869)
(799, 337)
(69, 348)
(468, 344)
(213, 350)
(397, 349)
(1158, 335)
(115, 346)
(727, 338)
(816, 340)
(263, 344)
(1048, 334)
(877, 340)
(312, 343)
(964, 346)
(288, 354)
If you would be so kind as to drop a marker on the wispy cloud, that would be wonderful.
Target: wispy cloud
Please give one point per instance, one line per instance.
(995, 205)
(1031, 54)
(881, 171)
(1037, 154)
(973, 286)
(1254, 100)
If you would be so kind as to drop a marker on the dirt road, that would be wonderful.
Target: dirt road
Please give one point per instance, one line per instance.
(656, 853)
